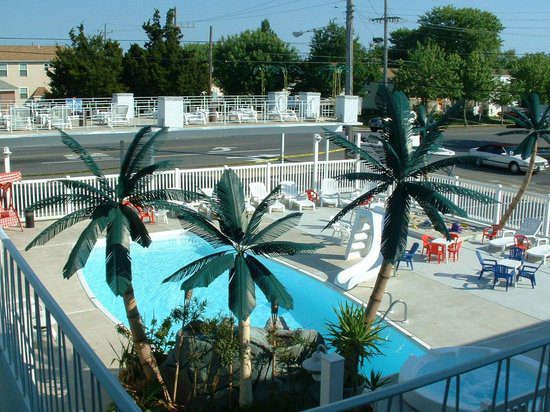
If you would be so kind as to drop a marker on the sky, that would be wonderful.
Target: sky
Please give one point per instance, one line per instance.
(47, 22)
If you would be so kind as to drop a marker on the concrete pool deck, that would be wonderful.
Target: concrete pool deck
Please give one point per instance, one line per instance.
(447, 304)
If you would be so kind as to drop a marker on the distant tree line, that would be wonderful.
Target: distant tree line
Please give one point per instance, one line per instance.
(454, 53)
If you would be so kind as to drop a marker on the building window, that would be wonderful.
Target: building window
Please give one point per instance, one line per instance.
(23, 93)
(3, 70)
(23, 70)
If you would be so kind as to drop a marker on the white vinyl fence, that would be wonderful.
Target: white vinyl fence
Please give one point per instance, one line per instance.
(28, 192)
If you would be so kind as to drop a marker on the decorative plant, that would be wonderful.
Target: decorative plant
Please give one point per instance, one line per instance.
(242, 241)
(356, 339)
(402, 170)
(335, 71)
(535, 124)
(105, 206)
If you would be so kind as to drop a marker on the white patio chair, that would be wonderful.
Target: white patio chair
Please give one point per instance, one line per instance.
(19, 119)
(528, 228)
(59, 117)
(329, 194)
(198, 116)
(293, 197)
(118, 115)
(258, 192)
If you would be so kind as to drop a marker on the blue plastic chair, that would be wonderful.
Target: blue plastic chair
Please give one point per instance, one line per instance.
(408, 257)
(528, 272)
(516, 253)
(487, 265)
(503, 272)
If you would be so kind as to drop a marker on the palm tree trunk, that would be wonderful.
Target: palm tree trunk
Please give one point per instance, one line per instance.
(139, 337)
(245, 373)
(524, 185)
(378, 292)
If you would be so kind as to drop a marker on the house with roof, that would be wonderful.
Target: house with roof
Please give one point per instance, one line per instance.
(23, 72)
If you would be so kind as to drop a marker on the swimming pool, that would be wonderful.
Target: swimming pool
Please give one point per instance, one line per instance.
(313, 300)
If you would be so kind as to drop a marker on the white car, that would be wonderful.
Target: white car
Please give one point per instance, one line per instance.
(499, 156)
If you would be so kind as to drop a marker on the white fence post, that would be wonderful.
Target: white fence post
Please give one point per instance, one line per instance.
(455, 196)
(177, 178)
(546, 219)
(316, 139)
(69, 204)
(332, 378)
(498, 206)
(268, 177)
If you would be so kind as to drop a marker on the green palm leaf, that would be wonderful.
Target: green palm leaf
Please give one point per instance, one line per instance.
(282, 247)
(396, 224)
(61, 200)
(447, 188)
(138, 231)
(229, 199)
(137, 180)
(144, 151)
(436, 199)
(198, 224)
(192, 268)
(260, 211)
(526, 145)
(441, 164)
(87, 189)
(273, 290)
(134, 148)
(363, 176)
(207, 274)
(275, 229)
(118, 261)
(434, 216)
(242, 291)
(60, 225)
(83, 246)
(513, 132)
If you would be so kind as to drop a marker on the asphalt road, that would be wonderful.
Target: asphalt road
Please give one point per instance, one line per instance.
(46, 156)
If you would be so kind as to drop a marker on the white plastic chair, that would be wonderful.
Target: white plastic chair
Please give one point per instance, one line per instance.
(258, 192)
(329, 193)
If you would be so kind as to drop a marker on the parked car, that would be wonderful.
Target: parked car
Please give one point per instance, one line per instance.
(502, 156)
(376, 124)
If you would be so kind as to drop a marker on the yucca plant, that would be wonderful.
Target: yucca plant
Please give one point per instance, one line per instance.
(241, 241)
(355, 338)
(535, 124)
(402, 170)
(106, 208)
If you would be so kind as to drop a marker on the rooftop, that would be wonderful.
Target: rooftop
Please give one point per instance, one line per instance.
(27, 53)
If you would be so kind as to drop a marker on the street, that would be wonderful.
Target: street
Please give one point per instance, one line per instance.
(46, 156)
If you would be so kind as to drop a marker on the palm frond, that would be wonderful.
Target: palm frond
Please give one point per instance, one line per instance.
(151, 196)
(446, 188)
(242, 290)
(231, 206)
(435, 199)
(364, 176)
(282, 247)
(395, 161)
(118, 261)
(59, 226)
(83, 246)
(274, 230)
(520, 118)
(365, 197)
(338, 140)
(198, 224)
(138, 231)
(396, 224)
(104, 192)
(259, 212)
(133, 183)
(526, 145)
(435, 217)
(273, 290)
(513, 132)
(61, 200)
(191, 269)
(533, 105)
(441, 164)
(133, 149)
(144, 151)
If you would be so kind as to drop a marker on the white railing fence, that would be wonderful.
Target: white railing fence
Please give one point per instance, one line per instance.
(51, 363)
(28, 192)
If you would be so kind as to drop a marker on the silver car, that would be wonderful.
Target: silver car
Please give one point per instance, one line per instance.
(499, 156)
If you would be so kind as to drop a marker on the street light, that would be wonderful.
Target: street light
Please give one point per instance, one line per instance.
(302, 32)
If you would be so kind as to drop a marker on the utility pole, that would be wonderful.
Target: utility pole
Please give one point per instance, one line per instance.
(385, 20)
(349, 59)
(210, 46)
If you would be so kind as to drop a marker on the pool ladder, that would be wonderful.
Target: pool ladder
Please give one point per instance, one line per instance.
(405, 310)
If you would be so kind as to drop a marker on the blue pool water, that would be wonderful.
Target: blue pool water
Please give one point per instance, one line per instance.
(313, 301)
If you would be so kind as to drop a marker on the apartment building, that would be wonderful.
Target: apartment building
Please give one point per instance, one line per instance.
(23, 72)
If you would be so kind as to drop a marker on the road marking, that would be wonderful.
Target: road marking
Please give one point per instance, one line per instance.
(220, 150)
(96, 155)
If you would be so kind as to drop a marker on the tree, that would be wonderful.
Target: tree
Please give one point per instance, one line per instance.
(237, 58)
(162, 66)
(328, 46)
(531, 74)
(90, 67)
(106, 208)
(430, 74)
(401, 171)
(535, 124)
(242, 240)
(477, 79)
(503, 95)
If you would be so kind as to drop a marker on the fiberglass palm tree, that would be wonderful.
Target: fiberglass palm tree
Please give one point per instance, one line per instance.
(535, 124)
(402, 170)
(108, 209)
(241, 240)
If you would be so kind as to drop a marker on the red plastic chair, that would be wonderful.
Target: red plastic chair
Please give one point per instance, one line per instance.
(141, 212)
(522, 242)
(426, 239)
(436, 249)
(490, 232)
(454, 249)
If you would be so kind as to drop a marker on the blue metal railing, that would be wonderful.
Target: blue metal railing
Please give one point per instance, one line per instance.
(54, 367)
(537, 399)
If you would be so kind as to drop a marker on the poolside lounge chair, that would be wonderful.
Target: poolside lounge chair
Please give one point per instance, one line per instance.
(529, 228)
(19, 119)
(59, 117)
(283, 115)
(487, 265)
(503, 272)
(292, 197)
(329, 193)
(246, 114)
(198, 116)
(408, 257)
(541, 251)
